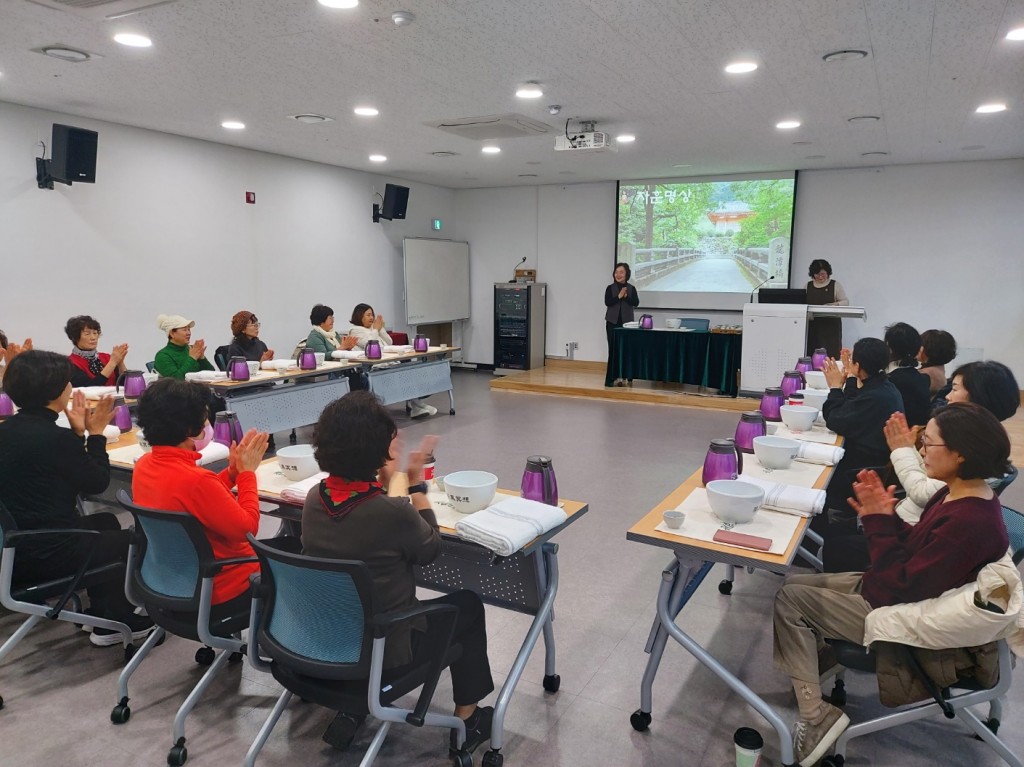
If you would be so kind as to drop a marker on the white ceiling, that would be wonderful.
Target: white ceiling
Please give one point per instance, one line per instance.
(649, 67)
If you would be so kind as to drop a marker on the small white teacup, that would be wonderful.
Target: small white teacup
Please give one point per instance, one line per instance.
(674, 519)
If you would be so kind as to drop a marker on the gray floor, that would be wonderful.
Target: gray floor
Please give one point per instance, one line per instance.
(620, 458)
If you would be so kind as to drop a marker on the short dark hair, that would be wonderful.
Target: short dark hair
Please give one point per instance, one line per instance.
(319, 314)
(939, 346)
(353, 437)
(974, 433)
(358, 312)
(37, 378)
(3, 339)
(991, 385)
(171, 410)
(624, 265)
(872, 355)
(904, 343)
(74, 327)
(817, 265)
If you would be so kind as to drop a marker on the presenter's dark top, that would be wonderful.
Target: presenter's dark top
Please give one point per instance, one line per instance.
(620, 310)
(824, 332)
(43, 468)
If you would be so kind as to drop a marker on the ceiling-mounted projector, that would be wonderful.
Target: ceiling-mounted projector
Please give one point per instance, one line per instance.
(593, 141)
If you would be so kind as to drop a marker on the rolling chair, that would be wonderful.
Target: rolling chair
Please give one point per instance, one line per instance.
(1005, 482)
(314, 619)
(170, 573)
(695, 323)
(220, 357)
(30, 599)
(151, 366)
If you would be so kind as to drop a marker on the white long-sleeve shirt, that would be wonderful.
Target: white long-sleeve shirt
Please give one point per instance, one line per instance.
(363, 335)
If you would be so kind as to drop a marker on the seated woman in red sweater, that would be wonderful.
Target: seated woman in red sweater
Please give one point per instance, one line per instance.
(960, 531)
(173, 414)
(89, 366)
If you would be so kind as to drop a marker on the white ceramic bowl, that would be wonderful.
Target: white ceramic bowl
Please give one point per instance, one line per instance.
(297, 462)
(733, 500)
(814, 397)
(815, 380)
(798, 417)
(775, 452)
(673, 323)
(254, 367)
(470, 491)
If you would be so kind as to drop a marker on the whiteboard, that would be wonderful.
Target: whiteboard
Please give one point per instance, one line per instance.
(436, 280)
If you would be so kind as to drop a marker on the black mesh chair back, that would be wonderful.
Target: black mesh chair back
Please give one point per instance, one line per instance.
(1006, 481)
(220, 357)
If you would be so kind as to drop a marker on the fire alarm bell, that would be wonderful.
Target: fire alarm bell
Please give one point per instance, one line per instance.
(250, 197)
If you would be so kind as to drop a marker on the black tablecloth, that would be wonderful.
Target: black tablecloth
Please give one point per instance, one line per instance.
(702, 359)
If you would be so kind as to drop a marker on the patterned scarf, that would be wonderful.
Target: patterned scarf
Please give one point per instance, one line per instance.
(340, 496)
(95, 363)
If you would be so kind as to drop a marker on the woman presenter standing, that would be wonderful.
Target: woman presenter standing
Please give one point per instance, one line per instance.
(824, 332)
(620, 298)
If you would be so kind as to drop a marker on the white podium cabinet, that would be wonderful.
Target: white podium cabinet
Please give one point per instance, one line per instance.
(775, 336)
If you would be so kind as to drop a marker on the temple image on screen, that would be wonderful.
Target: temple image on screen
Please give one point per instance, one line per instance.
(709, 237)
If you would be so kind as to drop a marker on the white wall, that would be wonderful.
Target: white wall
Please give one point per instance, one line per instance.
(166, 230)
(938, 246)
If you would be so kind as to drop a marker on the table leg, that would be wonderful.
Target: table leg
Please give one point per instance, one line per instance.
(451, 401)
(541, 624)
(666, 615)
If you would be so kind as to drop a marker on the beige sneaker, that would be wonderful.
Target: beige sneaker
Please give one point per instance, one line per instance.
(811, 741)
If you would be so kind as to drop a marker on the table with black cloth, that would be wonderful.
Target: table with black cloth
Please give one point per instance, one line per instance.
(677, 356)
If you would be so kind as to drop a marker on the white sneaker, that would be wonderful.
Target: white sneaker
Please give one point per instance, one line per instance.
(422, 411)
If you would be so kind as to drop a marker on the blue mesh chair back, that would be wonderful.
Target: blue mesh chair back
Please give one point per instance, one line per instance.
(695, 323)
(220, 357)
(317, 615)
(1015, 528)
(1006, 481)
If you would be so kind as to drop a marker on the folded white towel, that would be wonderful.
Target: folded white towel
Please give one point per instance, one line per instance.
(297, 492)
(97, 392)
(275, 364)
(212, 453)
(792, 499)
(343, 354)
(634, 324)
(811, 452)
(509, 525)
(207, 375)
(399, 349)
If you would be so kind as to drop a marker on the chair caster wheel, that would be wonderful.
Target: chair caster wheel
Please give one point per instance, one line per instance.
(451, 411)
(552, 682)
(178, 754)
(992, 724)
(833, 761)
(235, 657)
(121, 713)
(640, 720)
(493, 758)
(204, 656)
(838, 696)
(461, 758)
(725, 587)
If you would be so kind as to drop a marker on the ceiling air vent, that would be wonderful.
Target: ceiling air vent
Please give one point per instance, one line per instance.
(491, 127)
(101, 10)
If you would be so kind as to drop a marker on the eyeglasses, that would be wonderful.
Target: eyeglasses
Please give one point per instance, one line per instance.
(254, 324)
(925, 444)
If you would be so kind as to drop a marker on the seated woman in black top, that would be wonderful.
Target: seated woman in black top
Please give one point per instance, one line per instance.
(904, 343)
(44, 467)
(860, 401)
(89, 366)
(245, 341)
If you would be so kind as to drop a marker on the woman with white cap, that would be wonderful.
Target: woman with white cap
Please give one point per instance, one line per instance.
(179, 357)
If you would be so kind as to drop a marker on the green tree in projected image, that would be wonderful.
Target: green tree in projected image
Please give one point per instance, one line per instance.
(663, 215)
(772, 203)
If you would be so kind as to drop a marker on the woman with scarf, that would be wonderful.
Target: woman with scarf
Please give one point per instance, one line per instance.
(323, 337)
(90, 367)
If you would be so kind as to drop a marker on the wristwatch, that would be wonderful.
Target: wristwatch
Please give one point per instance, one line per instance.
(419, 487)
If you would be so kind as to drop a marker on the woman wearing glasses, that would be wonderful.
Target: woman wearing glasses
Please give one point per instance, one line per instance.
(245, 341)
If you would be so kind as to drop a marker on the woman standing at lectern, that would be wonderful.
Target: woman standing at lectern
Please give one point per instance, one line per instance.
(822, 290)
(620, 298)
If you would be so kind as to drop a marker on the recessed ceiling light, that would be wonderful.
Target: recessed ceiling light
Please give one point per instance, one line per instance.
(788, 124)
(233, 125)
(339, 3)
(311, 119)
(402, 18)
(378, 158)
(65, 54)
(530, 90)
(851, 54)
(133, 41)
(874, 154)
(740, 67)
(491, 149)
(626, 138)
(863, 119)
(986, 109)
(1015, 34)
(366, 111)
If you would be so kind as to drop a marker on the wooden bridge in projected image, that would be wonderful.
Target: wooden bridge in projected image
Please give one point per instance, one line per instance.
(713, 275)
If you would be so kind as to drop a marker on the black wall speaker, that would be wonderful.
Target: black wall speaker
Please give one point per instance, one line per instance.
(396, 200)
(73, 154)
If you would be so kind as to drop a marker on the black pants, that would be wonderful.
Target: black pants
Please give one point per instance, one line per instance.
(471, 673)
(106, 598)
(612, 373)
